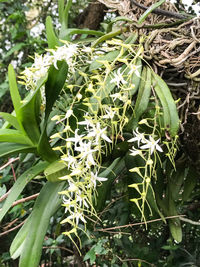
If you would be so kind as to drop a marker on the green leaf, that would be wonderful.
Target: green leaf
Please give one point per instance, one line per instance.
(174, 224)
(16, 99)
(53, 87)
(63, 17)
(90, 255)
(51, 36)
(101, 93)
(149, 11)
(65, 33)
(143, 95)
(19, 240)
(66, 12)
(29, 113)
(167, 247)
(19, 185)
(111, 56)
(111, 173)
(153, 203)
(56, 170)
(44, 149)
(16, 47)
(14, 136)
(170, 113)
(12, 120)
(45, 206)
(55, 82)
(176, 181)
(119, 18)
(7, 149)
(108, 36)
(189, 183)
(61, 6)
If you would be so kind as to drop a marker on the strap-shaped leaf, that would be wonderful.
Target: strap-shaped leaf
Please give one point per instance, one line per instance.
(7, 149)
(190, 183)
(111, 56)
(101, 93)
(19, 185)
(51, 36)
(149, 11)
(56, 170)
(45, 206)
(170, 113)
(12, 120)
(14, 136)
(7, 125)
(61, 6)
(54, 84)
(53, 87)
(44, 149)
(14, 92)
(120, 18)
(110, 173)
(29, 113)
(15, 48)
(65, 33)
(19, 240)
(66, 12)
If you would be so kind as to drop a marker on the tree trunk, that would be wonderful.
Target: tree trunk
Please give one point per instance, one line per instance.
(92, 16)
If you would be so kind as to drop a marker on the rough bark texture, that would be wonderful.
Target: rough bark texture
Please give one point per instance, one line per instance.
(92, 16)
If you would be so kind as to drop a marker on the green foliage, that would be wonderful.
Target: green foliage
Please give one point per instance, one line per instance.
(16, 41)
(149, 11)
(45, 206)
(103, 128)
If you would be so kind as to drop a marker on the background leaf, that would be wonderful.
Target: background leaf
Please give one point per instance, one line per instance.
(19, 185)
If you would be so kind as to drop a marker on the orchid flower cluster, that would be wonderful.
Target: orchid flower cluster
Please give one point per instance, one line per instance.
(83, 157)
(30, 76)
(148, 146)
(102, 99)
(96, 132)
(147, 149)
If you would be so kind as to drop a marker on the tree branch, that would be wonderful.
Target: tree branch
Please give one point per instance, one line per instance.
(12, 229)
(135, 224)
(20, 200)
(4, 196)
(161, 12)
(24, 199)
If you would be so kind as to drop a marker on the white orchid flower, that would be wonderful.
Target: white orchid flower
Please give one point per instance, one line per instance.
(152, 145)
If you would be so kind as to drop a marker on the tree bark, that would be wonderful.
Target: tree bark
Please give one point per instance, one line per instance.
(92, 16)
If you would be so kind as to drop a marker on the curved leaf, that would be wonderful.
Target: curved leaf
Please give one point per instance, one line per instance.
(111, 173)
(56, 170)
(61, 10)
(19, 240)
(55, 82)
(66, 12)
(51, 36)
(44, 149)
(29, 113)
(7, 149)
(14, 136)
(14, 92)
(12, 120)
(45, 206)
(65, 33)
(19, 185)
(149, 11)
